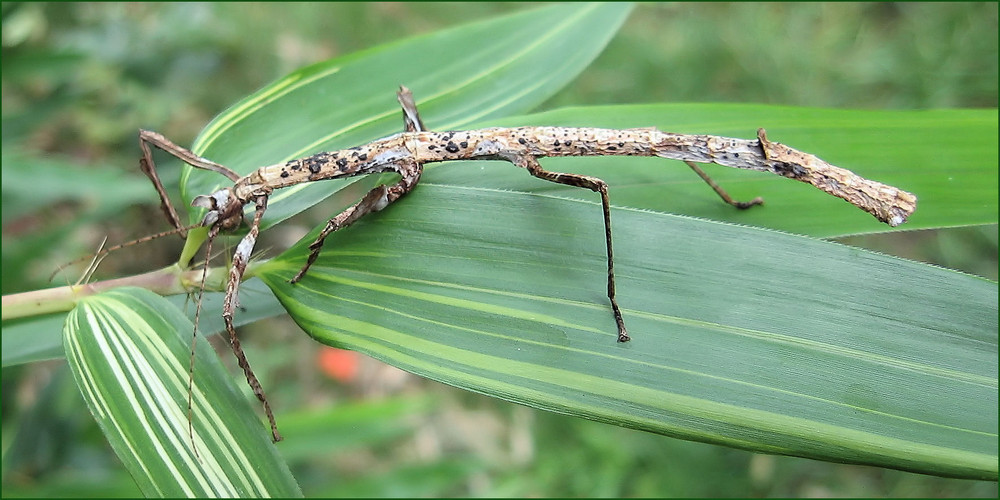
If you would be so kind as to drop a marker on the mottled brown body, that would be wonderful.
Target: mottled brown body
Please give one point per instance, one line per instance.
(887, 203)
(406, 153)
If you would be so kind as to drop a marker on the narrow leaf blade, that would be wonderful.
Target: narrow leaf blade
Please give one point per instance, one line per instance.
(127, 351)
(40, 338)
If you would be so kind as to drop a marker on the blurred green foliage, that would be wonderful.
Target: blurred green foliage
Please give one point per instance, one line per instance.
(79, 79)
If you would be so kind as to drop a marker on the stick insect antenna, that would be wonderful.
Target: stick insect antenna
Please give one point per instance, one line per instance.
(101, 254)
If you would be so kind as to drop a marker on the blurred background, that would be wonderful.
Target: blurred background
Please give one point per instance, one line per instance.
(80, 79)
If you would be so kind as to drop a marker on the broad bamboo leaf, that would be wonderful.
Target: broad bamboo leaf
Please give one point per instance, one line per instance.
(749, 338)
(128, 352)
(473, 72)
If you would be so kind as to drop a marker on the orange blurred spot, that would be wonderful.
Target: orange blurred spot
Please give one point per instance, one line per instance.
(338, 364)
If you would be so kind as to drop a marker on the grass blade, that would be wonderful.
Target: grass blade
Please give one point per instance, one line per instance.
(128, 353)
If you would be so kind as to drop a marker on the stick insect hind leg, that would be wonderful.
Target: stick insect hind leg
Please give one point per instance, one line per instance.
(742, 205)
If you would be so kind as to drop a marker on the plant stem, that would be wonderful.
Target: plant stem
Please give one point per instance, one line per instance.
(171, 280)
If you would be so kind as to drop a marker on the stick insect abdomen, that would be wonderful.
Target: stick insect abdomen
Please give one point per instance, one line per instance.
(531, 141)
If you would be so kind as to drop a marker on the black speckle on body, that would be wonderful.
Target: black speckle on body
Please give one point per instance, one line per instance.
(788, 170)
(315, 163)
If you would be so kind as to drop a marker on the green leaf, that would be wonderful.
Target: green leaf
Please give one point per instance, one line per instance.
(749, 338)
(128, 352)
(476, 71)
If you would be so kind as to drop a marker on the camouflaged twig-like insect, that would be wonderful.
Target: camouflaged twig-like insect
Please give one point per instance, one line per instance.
(406, 153)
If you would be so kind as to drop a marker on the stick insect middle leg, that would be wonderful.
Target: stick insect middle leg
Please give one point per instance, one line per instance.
(376, 199)
(381, 196)
(594, 184)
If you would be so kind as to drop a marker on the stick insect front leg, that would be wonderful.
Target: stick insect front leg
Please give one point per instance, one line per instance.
(594, 184)
(231, 302)
(148, 167)
(224, 214)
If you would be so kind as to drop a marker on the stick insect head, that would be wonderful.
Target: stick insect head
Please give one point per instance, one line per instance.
(224, 209)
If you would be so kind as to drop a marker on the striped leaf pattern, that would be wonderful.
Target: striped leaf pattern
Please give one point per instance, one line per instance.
(129, 350)
(749, 338)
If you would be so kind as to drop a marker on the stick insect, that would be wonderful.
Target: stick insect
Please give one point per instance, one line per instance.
(405, 154)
